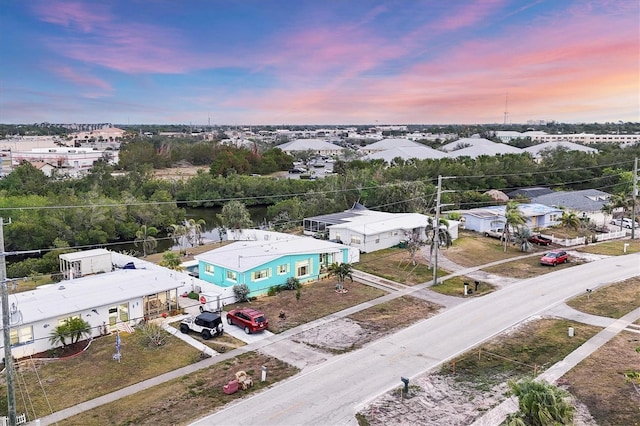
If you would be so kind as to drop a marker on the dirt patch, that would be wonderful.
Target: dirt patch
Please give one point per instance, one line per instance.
(181, 172)
(317, 299)
(367, 325)
(462, 391)
(599, 381)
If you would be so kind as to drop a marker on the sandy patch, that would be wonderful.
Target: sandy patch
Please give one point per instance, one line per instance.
(339, 335)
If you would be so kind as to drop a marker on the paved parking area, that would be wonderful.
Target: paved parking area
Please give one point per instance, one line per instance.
(232, 330)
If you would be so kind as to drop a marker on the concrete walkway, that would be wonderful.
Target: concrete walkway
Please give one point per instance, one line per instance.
(498, 414)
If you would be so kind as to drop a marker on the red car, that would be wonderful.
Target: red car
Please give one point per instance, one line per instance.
(540, 240)
(249, 319)
(554, 257)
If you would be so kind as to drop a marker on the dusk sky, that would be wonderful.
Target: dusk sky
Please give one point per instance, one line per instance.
(256, 62)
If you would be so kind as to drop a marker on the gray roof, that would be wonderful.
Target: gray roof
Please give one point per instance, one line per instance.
(587, 200)
(535, 191)
(390, 143)
(420, 152)
(309, 144)
(535, 150)
(478, 147)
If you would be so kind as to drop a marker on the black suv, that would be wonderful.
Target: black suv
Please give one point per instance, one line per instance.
(208, 324)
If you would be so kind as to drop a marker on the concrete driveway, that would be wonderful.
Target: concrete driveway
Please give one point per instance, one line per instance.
(232, 330)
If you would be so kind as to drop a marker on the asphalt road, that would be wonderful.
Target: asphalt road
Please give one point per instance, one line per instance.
(330, 393)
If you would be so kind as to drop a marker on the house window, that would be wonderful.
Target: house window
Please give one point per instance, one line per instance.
(22, 335)
(232, 276)
(355, 240)
(208, 269)
(303, 268)
(283, 269)
(377, 240)
(63, 320)
(260, 275)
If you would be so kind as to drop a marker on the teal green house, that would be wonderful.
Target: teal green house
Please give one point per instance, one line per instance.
(269, 261)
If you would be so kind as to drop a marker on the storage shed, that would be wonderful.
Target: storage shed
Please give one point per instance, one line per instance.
(83, 263)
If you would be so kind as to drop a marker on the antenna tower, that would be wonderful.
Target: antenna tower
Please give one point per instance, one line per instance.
(506, 109)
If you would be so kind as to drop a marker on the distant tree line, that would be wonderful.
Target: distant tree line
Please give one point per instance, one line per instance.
(105, 207)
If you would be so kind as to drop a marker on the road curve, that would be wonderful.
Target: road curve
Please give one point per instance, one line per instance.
(330, 393)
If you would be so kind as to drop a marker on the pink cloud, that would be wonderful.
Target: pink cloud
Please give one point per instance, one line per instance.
(557, 69)
(468, 15)
(123, 46)
(74, 14)
(82, 79)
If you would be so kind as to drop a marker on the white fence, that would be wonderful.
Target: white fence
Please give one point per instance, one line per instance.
(611, 235)
(20, 420)
(568, 242)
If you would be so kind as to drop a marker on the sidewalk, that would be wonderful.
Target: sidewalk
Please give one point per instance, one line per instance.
(498, 414)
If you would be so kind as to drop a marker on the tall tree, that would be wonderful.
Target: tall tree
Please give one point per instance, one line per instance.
(145, 236)
(569, 220)
(341, 271)
(235, 216)
(514, 219)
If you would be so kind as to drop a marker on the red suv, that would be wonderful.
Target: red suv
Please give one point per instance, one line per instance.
(249, 319)
(554, 257)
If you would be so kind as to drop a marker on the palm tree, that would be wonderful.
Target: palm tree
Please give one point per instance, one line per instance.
(569, 220)
(171, 260)
(341, 271)
(179, 235)
(514, 219)
(196, 227)
(71, 328)
(78, 328)
(522, 236)
(621, 201)
(540, 404)
(59, 335)
(607, 210)
(146, 237)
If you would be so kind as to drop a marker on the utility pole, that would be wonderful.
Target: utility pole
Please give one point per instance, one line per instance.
(635, 195)
(436, 225)
(6, 328)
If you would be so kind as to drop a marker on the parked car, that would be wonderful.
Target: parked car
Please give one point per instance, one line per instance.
(494, 233)
(207, 324)
(498, 233)
(539, 240)
(249, 319)
(624, 222)
(298, 170)
(555, 257)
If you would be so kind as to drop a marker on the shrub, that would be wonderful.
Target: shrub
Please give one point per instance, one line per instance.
(193, 295)
(241, 292)
(293, 283)
(272, 291)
